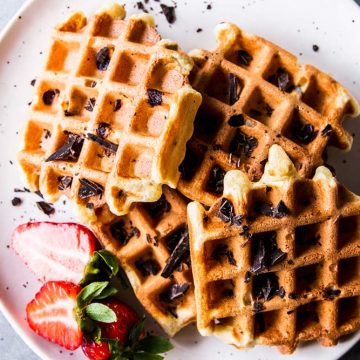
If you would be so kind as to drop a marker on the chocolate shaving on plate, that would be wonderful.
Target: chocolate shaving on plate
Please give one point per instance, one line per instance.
(45, 207)
(16, 201)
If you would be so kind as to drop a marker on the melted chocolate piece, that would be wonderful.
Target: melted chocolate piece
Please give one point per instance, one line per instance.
(49, 96)
(327, 130)
(70, 151)
(265, 286)
(154, 97)
(108, 145)
(158, 208)
(277, 212)
(305, 133)
(169, 12)
(102, 129)
(180, 254)
(89, 188)
(234, 89)
(64, 182)
(242, 144)
(147, 267)
(330, 293)
(120, 233)
(222, 250)
(174, 292)
(117, 105)
(243, 57)
(236, 120)
(215, 183)
(45, 207)
(266, 253)
(103, 59)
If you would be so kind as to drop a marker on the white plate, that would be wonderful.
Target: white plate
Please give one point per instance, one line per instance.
(296, 25)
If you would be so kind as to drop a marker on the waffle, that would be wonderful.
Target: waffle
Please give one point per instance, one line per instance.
(255, 94)
(143, 241)
(113, 106)
(277, 262)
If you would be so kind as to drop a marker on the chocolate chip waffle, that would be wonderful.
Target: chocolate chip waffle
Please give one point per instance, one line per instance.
(277, 262)
(255, 94)
(112, 115)
(152, 245)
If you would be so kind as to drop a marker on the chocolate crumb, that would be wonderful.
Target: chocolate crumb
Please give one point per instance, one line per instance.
(281, 291)
(215, 183)
(199, 30)
(64, 182)
(49, 96)
(45, 207)
(89, 106)
(16, 201)
(175, 292)
(103, 59)
(305, 133)
(234, 89)
(33, 81)
(154, 97)
(117, 105)
(122, 233)
(147, 267)
(315, 48)
(169, 12)
(108, 145)
(331, 293)
(257, 307)
(281, 79)
(102, 129)
(276, 212)
(242, 144)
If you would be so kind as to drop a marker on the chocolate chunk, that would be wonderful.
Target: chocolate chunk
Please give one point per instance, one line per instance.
(108, 145)
(147, 267)
(33, 82)
(215, 183)
(247, 277)
(45, 207)
(154, 97)
(16, 201)
(277, 212)
(174, 292)
(258, 306)
(266, 253)
(49, 96)
(281, 292)
(265, 286)
(236, 120)
(281, 79)
(180, 254)
(64, 182)
(237, 220)
(89, 106)
(169, 12)
(243, 57)
(122, 233)
(47, 134)
(102, 129)
(70, 151)
(245, 232)
(117, 105)
(199, 30)
(103, 59)
(331, 293)
(315, 48)
(226, 211)
(222, 250)
(140, 6)
(158, 208)
(327, 130)
(305, 133)
(234, 89)
(242, 144)
(89, 188)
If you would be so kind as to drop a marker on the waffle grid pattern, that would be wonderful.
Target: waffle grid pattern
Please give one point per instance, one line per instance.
(145, 135)
(151, 243)
(310, 271)
(269, 114)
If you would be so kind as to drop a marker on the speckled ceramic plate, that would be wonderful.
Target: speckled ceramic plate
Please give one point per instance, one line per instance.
(296, 25)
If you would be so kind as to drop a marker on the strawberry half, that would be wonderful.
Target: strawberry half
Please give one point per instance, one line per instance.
(54, 251)
(51, 314)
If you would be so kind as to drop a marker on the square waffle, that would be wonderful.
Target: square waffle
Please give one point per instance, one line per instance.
(277, 262)
(255, 94)
(112, 114)
(143, 241)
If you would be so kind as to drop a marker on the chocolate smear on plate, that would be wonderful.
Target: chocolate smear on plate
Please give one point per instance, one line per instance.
(154, 97)
(108, 145)
(70, 150)
(89, 188)
(103, 59)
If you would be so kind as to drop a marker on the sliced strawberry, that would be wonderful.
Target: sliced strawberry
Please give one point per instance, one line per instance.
(51, 314)
(54, 251)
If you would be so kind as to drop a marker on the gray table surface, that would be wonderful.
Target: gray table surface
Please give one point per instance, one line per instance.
(11, 346)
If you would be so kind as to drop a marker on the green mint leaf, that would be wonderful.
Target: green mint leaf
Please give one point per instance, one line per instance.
(107, 292)
(100, 312)
(155, 345)
(147, 356)
(89, 292)
(135, 333)
(110, 260)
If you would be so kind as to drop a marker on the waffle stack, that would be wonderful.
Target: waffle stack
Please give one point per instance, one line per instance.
(255, 94)
(276, 262)
(113, 107)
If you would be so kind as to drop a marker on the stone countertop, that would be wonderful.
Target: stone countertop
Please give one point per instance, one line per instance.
(11, 346)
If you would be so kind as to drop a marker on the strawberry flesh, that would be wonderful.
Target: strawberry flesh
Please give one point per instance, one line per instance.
(51, 314)
(54, 251)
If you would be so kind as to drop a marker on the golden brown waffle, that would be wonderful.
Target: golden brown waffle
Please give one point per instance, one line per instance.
(277, 262)
(255, 94)
(143, 241)
(125, 94)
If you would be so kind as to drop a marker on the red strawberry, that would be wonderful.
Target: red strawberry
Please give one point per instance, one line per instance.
(54, 251)
(51, 314)
(119, 330)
